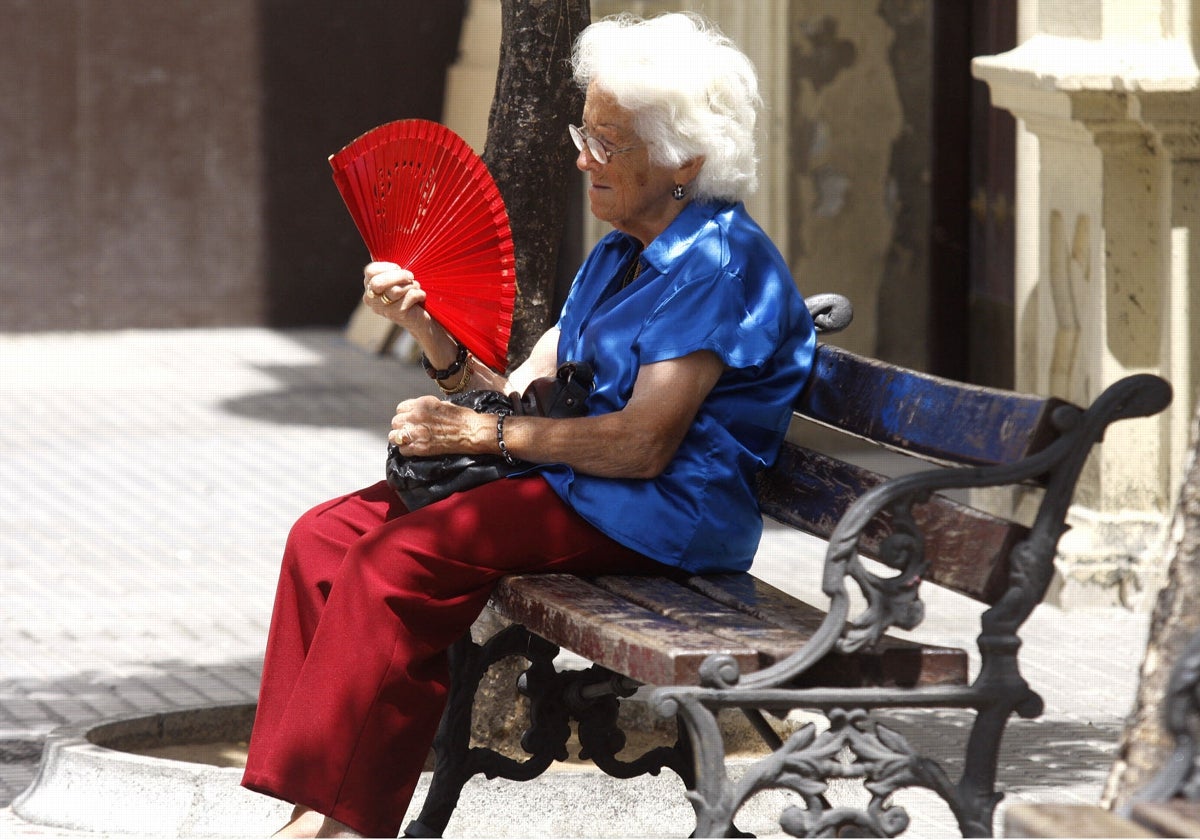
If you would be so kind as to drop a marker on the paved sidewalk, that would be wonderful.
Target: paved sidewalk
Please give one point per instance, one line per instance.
(147, 483)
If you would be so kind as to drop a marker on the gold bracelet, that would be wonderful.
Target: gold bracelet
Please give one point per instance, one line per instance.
(468, 372)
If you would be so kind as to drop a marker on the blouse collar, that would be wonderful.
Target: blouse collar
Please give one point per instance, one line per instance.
(673, 242)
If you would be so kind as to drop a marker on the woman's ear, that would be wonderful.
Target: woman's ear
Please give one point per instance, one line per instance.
(691, 169)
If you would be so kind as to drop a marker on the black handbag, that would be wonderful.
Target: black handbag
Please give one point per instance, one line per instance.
(423, 480)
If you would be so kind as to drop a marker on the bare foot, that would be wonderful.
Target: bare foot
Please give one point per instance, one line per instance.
(304, 822)
(333, 828)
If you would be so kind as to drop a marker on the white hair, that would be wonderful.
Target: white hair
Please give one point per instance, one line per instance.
(692, 93)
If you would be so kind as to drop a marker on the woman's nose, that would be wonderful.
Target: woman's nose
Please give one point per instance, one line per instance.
(584, 160)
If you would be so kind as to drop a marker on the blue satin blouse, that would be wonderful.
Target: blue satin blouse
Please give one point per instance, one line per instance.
(711, 281)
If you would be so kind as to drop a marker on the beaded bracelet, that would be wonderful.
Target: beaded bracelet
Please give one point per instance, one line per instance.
(468, 371)
(455, 367)
(500, 417)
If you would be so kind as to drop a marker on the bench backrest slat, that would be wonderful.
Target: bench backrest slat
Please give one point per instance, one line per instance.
(925, 415)
(967, 548)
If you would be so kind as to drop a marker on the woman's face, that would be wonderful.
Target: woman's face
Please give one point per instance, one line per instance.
(628, 192)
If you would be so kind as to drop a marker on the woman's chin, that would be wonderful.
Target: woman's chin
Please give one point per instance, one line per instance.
(599, 208)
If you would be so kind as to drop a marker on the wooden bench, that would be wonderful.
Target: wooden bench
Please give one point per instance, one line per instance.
(733, 642)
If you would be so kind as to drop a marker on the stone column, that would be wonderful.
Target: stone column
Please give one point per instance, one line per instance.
(1110, 90)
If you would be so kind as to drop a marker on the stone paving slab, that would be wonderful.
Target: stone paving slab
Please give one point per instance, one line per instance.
(147, 482)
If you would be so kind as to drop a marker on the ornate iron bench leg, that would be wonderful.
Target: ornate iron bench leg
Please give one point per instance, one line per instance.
(1000, 677)
(709, 790)
(456, 761)
(977, 795)
(853, 747)
(594, 699)
(452, 742)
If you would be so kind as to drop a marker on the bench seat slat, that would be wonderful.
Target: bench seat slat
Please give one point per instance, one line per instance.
(1057, 819)
(893, 662)
(653, 628)
(673, 599)
(967, 549)
(576, 614)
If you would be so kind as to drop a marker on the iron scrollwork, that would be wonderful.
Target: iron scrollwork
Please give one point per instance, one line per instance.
(601, 737)
(853, 747)
(891, 601)
(589, 696)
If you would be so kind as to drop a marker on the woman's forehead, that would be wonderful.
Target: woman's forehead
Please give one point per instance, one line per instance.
(601, 110)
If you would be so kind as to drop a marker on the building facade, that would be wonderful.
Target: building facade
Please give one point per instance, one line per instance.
(1108, 97)
(164, 165)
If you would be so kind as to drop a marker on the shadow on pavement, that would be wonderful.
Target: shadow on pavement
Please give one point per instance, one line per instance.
(337, 385)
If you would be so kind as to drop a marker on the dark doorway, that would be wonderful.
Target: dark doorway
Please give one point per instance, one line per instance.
(974, 176)
(330, 72)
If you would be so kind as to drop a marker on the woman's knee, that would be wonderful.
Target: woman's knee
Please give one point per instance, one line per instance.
(341, 521)
(319, 539)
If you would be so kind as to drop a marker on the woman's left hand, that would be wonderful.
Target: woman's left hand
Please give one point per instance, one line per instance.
(638, 441)
(428, 426)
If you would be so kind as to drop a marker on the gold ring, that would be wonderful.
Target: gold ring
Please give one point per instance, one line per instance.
(402, 437)
(387, 301)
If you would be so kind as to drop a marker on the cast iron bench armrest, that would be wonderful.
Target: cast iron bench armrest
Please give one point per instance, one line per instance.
(894, 601)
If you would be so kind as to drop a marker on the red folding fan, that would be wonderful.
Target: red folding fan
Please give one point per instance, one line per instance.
(422, 198)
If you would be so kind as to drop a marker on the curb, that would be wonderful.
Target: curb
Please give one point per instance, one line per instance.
(84, 786)
(88, 782)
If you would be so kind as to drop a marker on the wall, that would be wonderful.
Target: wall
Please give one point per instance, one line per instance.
(129, 129)
(859, 209)
(332, 70)
(844, 151)
(163, 164)
(1108, 91)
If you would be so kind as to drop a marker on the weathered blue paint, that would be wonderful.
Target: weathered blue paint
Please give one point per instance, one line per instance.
(937, 418)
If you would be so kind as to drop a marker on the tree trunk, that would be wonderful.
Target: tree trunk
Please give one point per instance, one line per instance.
(530, 157)
(527, 149)
(1145, 744)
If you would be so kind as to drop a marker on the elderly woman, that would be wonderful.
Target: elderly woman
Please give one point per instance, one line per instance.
(699, 342)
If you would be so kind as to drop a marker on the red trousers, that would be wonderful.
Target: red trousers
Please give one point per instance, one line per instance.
(370, 597)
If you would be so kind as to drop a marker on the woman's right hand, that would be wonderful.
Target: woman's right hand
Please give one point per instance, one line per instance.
(394, 293)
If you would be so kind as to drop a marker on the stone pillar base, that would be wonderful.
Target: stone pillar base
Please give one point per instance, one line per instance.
(1108, 560)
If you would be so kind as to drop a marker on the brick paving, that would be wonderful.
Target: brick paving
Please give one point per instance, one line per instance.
(147, 482)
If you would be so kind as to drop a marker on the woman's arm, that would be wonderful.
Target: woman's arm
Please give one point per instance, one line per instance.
(635, 442)
(405, 307)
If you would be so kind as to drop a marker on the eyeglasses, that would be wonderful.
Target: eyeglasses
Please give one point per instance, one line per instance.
(599, 152)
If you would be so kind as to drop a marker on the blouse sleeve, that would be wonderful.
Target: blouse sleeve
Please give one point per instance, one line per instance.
(716, 313)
